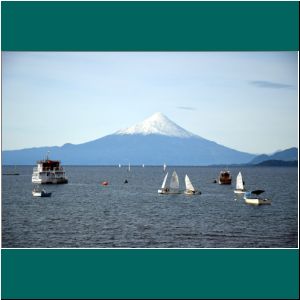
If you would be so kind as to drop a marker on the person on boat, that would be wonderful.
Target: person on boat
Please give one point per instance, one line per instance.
(166, 190)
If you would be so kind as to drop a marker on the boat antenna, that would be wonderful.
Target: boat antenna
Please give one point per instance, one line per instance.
(47, 157)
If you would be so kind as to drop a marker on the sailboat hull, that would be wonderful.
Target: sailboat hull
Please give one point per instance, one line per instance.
(168, 192)
(239, 191)
(188, 192)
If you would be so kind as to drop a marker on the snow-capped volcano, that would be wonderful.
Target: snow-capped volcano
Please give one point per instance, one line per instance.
(158, 123)
(154, 141)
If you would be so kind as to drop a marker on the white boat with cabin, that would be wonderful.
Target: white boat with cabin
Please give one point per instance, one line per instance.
(189, 188)
(240, 186)
(174, 185)
(49, 171)
(254, 198)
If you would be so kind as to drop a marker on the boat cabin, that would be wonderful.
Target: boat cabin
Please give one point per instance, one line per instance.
(49, 165)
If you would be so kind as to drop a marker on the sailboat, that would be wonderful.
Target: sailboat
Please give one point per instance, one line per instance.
(165, 167)
(174, 185)
(164, 189)
(240, 189)
(189, 188)
(120, 165)
(143, 165)
(129, 167)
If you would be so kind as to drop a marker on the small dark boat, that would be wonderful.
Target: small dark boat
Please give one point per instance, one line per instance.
(40, 193)
(12, 173)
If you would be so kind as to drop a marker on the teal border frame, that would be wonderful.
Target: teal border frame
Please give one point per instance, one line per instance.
(150, 26)
(150, 273)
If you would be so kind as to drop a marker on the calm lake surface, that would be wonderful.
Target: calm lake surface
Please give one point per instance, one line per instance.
(85, 214)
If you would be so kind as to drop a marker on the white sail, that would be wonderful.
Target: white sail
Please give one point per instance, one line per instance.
(129, 167)
(239, 182)
(188, 184)
(164, 182)
(174, 184)
(165, 167)
(120, 166)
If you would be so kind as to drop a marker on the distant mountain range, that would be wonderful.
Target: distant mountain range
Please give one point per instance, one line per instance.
(154, 141)
(290, 154)
(278, 163)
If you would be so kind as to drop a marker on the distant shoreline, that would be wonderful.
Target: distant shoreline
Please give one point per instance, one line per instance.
(272, 163)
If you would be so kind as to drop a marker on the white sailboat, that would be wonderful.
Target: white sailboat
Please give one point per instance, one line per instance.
(240, 189)
(120, 165)
(143, 165)
(165, 167)
(189, 188)
(129, 167)
(164, 189)
(174, 185)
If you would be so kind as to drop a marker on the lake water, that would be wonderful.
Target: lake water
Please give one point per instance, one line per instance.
(85, 214)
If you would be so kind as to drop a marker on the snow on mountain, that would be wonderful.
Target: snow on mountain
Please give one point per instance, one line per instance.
(158, 123)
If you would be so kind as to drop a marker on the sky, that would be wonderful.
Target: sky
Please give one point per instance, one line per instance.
(243, 100)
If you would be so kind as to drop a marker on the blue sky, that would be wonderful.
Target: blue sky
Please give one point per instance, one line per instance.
(243, 100)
